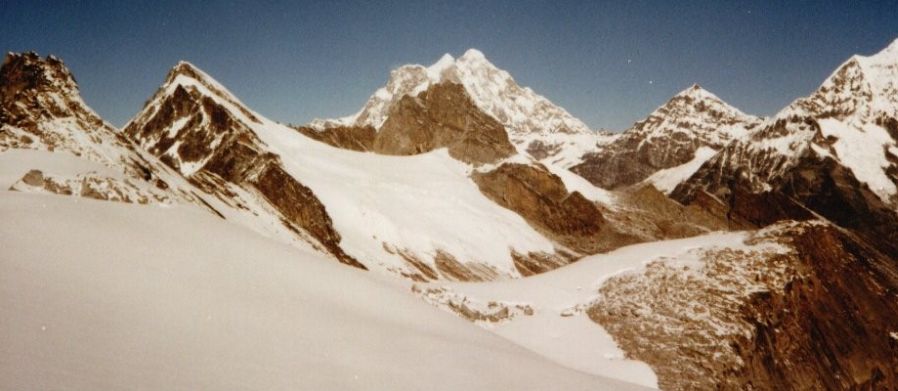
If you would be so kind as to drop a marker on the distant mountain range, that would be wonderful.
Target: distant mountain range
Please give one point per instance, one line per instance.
(453, 174)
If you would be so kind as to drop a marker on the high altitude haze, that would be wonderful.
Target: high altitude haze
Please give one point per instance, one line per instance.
(608, 64)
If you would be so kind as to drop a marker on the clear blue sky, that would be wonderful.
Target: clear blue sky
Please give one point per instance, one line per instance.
(609, 63)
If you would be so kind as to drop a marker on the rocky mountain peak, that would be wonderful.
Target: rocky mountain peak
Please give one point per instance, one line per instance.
(41, 108)
(695, 112)
(862, 89)
(669, 137)
(29, 71)
(493, 90)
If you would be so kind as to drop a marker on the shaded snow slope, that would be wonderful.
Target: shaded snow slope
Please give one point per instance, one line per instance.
(114, 296)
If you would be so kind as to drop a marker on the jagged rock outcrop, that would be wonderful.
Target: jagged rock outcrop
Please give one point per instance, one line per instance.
(442, 116)
(92, 185)
(669, 137)
(802, 306)
(41, 108)
(190, 124)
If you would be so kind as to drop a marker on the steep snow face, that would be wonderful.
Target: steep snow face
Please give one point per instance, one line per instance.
(666, 180)
(99, 295)
(519, 109)
(396, 213)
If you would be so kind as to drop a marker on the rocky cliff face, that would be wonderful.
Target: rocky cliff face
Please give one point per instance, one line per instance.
(442, 117)
(802, 306)
(355, 138)
(669, 137)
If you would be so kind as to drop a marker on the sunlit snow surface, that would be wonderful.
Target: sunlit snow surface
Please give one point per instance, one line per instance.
(103, 295)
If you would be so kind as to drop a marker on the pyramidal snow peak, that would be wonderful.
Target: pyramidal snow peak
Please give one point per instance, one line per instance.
(493, 90)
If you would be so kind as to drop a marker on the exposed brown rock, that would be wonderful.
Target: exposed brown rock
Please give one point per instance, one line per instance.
(300, 206)
(832, 328)
(426, 272)
(91, 185)
(356, 138)
(534, 263)
(443, 116)
(452, 269)
(541, 198)
(814, 185)
(646, 213)
(34, 178)
(229, 150)
(822, 315)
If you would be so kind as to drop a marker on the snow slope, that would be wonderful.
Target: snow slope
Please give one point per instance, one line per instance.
(421, 204)
(117, 296)
(558, 328)
(667, 180)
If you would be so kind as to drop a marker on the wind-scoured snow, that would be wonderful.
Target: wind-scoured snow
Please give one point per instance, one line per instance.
(116, 296)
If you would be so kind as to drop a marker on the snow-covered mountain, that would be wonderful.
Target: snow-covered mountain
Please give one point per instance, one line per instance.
(673, 139)
(861, 89)
(454, 181)
(422, 216)
(519, 109)
(834, 153)
(534, 124)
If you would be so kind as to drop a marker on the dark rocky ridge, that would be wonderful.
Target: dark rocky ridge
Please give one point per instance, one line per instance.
(356, 138)
(41, 109)
(757, 189)
(229, 152)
